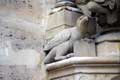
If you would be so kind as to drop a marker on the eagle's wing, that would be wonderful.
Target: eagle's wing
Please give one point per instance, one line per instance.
(99, 1)
(58, 39)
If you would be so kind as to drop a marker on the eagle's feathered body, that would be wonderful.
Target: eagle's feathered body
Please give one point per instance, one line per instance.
(63, 41)
(72, 34)
(63, 36)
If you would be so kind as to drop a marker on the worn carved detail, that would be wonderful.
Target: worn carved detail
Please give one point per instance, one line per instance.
(107, 11)
(90, 77)
(116, 78)
(62, 43)
(106, 15)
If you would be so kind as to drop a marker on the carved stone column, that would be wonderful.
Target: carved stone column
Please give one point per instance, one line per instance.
(63, 15)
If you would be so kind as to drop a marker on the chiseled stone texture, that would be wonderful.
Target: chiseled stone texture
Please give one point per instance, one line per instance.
(20, 65)
(60, 19)
(52, 32)
(84, 49)
(22, 24)
(85, 68)
(22, 27)
(20, 37)
(109, 49)
(108, 44)
(15, 39)
(88, 77)
(62, 16)
(14, 72)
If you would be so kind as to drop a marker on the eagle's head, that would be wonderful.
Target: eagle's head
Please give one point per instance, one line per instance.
(82, 23)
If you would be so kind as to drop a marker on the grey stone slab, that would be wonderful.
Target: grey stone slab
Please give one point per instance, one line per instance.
(84, 49)
(108, 49)
(62, 17)
(76, 68)
(52, 32)
(113, 36)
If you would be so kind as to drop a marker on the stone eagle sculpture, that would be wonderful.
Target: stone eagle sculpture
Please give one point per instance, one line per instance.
(62, 43)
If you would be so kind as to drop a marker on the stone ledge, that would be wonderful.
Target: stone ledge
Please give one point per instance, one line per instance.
(102, 61)
(65, 8)
(83, 65)
(107, 37)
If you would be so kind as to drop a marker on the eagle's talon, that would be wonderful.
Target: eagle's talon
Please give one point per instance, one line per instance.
(60, 58)
(88, 40)
(70, 55)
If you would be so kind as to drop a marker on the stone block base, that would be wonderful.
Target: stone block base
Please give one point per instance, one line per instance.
(85, 68)
(90, 77)
(108, 45)
(84, 49)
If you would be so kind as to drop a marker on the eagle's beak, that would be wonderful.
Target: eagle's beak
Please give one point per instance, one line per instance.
(86, 18)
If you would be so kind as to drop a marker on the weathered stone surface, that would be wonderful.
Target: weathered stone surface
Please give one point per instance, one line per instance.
(84, 68)
(21, 72)
(22, 23)
(21, 65)
(63, 43)
(84, 49)
(113, 36)
(105, 61)
(26, 57)
(116, 78)
(108, 44)
(111, 17)
(60, 19)
(65, 0)
(88, 77)
(31, 10)
(81, 1)
(21, 35)
(108, 49)
(52, 32)
(62, 16)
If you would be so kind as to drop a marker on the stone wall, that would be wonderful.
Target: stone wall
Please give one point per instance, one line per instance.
(22, 29)
(19, 73)
(21, 34)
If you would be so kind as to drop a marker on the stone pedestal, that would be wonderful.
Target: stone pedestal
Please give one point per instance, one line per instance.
(61, 18)
(85, 68)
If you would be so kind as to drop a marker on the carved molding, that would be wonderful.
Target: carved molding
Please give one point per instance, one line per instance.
(83, 60)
